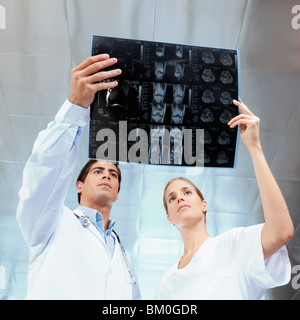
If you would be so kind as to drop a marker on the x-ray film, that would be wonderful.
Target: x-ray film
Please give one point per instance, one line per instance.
(171, 106)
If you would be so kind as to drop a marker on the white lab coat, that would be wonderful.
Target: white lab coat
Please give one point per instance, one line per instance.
(228, 266)
(67, 260)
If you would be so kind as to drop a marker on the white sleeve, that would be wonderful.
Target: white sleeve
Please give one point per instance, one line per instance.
(47, 174)
(247, 249)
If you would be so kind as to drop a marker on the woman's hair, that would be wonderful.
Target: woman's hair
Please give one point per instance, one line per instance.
(186, 180)
(86, 169)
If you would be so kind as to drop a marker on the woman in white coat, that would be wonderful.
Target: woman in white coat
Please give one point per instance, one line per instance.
(242, 262)
(73, 256)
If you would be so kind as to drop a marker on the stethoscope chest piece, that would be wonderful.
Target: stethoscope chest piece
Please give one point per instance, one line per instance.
(84, 221)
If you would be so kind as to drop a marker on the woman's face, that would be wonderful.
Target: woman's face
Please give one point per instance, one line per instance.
(184, 204)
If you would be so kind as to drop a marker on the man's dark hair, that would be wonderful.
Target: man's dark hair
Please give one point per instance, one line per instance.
(86, 169)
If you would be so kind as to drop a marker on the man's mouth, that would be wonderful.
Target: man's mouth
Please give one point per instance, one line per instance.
(104, 185)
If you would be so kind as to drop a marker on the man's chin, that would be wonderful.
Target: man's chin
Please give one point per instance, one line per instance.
(104, 199)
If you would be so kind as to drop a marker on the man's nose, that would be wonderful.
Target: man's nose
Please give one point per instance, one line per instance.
(106, 176)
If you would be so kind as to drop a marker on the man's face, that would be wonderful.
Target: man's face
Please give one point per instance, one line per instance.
(100, 186)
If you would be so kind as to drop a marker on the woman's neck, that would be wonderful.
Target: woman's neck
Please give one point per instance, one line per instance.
(193, 238)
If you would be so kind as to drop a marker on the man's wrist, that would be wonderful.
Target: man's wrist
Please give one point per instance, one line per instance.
(73, 114)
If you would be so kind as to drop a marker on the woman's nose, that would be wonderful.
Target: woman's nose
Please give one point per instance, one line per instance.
(180, 199)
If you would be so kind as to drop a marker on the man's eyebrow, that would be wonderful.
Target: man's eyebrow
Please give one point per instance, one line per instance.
(113, 170)
(102, 168)
(98, 168)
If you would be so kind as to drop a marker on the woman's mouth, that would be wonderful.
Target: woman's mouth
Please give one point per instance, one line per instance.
(182, 207)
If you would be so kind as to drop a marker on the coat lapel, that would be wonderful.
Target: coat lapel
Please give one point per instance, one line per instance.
(86, 223)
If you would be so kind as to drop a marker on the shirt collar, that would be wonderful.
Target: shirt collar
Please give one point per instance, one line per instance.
(92, 214)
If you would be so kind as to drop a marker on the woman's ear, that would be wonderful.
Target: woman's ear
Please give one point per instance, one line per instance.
(169, 219)
(204, 206)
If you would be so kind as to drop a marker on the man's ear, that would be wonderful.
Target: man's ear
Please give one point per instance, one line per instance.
(79, 186)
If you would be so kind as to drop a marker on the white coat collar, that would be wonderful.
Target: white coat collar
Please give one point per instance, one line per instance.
(86, 223)
(92, 213)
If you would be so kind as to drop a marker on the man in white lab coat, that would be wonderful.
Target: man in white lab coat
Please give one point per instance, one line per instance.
(73, 254)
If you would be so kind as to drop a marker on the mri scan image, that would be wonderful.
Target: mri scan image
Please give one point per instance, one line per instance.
(166, 92)
(208, 75)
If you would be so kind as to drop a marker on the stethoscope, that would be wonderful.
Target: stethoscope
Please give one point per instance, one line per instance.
(126, 260)
(85, 221)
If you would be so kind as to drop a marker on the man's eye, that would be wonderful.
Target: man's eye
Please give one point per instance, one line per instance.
(171, 199)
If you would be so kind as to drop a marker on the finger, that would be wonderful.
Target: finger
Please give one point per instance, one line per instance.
(90, 60)
(103, 75)
(242, 107)
(244, 121)
(105, 85)
(240, 116)
(97, 66)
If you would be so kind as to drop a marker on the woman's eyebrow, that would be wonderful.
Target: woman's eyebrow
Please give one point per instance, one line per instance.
(182, 189)
(186, 188)
(170, 194)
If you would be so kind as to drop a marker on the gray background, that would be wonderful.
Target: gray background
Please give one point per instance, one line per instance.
(44, 39)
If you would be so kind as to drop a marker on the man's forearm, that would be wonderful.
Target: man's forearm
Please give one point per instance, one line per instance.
(47, 174)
